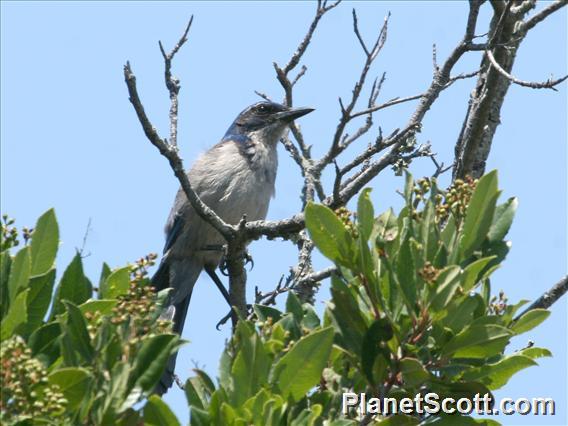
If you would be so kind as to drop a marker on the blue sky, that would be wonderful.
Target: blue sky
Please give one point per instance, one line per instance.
(70, 139)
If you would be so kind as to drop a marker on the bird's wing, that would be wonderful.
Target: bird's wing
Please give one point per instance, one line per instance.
(174, 231)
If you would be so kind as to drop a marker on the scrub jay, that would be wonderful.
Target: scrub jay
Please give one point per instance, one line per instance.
(234, 178)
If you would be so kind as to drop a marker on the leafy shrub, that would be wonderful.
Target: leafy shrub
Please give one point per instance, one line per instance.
(411, 311)
(91, 359)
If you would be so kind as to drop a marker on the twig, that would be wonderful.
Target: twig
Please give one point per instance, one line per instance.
(542, 15)
(263, 96)
(346, 111)
(172, 83)
(549, 297)
(392, 102)
(549, 84)
(84, 243)
(440, 169)
(170, 152)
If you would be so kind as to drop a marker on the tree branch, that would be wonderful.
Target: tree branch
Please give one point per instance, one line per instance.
(170, 152)
(549, 84)
(172, 83)
(542, 15)
(548, 298)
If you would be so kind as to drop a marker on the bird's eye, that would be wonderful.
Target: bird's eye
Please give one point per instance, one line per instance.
(262, 108)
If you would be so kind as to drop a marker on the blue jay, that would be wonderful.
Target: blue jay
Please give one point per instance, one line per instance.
(234, 178)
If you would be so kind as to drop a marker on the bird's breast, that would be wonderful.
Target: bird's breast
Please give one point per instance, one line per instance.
(234, 184)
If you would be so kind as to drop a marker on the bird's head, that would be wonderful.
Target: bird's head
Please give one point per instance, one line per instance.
(265, 121)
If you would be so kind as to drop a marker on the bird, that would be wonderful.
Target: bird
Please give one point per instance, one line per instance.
(234, 178)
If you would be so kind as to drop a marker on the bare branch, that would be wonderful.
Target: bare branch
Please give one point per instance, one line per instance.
(548, 84)
(170, 152)
(435, 59)
(392, 102)
(548, 298)
(299, 75)
(263, 96)
(172, 83)
(542, 15)
(346, 111)
(319, 275)
(440, 169)
(358, 34)
(282, 73)
(295, 59)
(506, 32)
(523, 7)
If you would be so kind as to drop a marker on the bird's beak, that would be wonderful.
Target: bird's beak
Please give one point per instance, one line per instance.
(291, 114)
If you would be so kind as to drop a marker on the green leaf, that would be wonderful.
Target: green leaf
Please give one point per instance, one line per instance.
(105, 272)
(157, 413)
(413, 372)
(455, 420)
(199, 417)
(406, 276)
(73, 286)
(45, 239)
(311, 319)
(102, 306)
(294, 306)
(380, 331)
(250, 369)
(471, 274)
(445, 287)
(196, 392)
(496, 375)
(264, 312)
(311, 352)
(76, 329)
(206, 381)
(365, 214)
(346, 316)
(386, 227)
(535, 352)
(152, 359)
(400, 420)
(408, 187)
(308, 416)
(44, 342)
(478, 341)
(19, 273)
(73, 382)
(116, 284)
(529, 320)
(328, 233)
(502, 219)
(461, 313)
(5, 266)
(429, 233)
(16, 315)
(479, 214)
(39, 299)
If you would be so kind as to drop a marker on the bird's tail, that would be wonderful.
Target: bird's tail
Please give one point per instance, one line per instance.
(181, 276)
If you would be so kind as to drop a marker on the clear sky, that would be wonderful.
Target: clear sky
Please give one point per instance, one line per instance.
(70, 138)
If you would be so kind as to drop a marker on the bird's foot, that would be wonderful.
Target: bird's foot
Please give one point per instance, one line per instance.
(225, 269)
(249, 259)
(226, 318)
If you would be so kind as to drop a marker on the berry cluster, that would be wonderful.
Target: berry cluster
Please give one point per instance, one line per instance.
(26, 392)
(429, 273)
(347, 218)
(456, 199)
(9, 233)
(498, 305)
